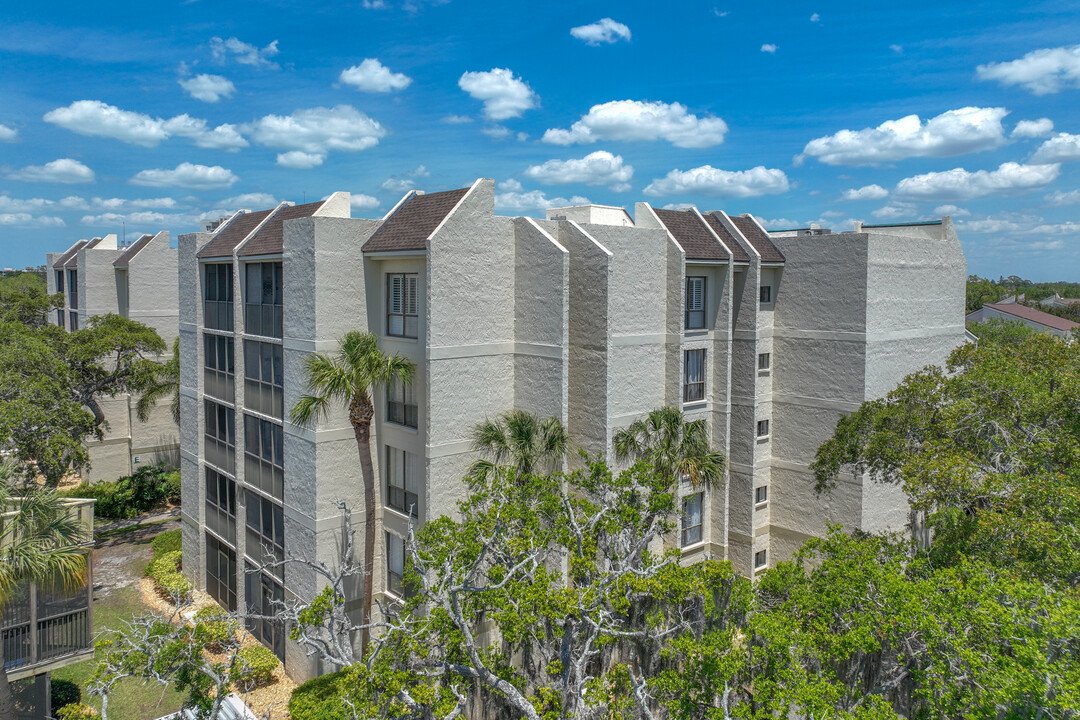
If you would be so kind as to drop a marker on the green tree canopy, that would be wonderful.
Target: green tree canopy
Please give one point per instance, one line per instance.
(24, 298)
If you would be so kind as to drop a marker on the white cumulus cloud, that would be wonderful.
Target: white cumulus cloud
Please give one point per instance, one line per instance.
(372, 76)
(251, 200)
(867, 192)
(713, 182)
(63, 170)
(208, 88)
(360, 201)
(398, 185)
(642, 120)
(136, 218)
(1062, 197)
(97, 119)
(604, 30)
(1063, 147)
(456, 119)
(1040, 72)
(1033, 128)
(815, 18)
(954, 132)
(223, 137)
(8, 134)
(959, 184)
(768, 48)
(513, 201)
(244, 53)
(18, 205)
(318, 130)
(597, 168)
(504, 96)
(951, 210)
(28, 220)
(300, 160)
(895, 211)
(187, 175)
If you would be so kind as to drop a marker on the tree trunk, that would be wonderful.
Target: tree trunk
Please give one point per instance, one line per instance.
(7, 700)
(360, 414)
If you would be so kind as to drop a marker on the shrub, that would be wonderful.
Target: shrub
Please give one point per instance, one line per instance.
(168, 541)
(77, 711)
(63, 693)
(319, 699)
(165, 571)
(131, 495)
(255, 666)
(171, 484)
(213, 626)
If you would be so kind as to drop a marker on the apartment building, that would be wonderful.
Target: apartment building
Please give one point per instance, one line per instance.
(589, 315)
(97, 277)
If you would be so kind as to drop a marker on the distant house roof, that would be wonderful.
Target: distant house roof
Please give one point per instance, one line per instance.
(131, 251)
(226, 240)
(738, 253)
(693, 234)
(1035, 316)
(63, 259)
(268, 241)
(757, 237)
(412, 224)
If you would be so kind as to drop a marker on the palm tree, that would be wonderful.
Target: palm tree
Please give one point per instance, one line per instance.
(165, 383)
(349, 377)
(674, 447)
(520, 439)
(40, 542)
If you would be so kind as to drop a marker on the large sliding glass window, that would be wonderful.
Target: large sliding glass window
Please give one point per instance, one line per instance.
(264, 456)
(221, 572)
(73, 289)
(263, 598)
(218, 367)
(264, 378)
(218, 296)
(262, 301)
(221, 505)
(220, 436)
(265, 532)
(402, 482)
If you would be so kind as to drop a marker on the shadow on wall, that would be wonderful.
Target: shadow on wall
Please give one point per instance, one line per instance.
(166, 453)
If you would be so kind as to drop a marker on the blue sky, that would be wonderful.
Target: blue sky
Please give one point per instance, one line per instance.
(156, 114)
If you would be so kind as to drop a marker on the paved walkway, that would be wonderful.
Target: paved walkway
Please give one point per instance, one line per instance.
(172, 513)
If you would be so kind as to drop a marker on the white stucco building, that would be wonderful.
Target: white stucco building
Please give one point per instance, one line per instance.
(98, 277)
(590, 315)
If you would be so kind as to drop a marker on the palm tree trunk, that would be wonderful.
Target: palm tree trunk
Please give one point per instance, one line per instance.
(360, 414)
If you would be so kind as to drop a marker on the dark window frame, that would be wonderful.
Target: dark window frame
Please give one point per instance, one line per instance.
(399, 497)
(761, 559)
(401, 411)
(694, 317)
(221, 585)
(264, 298)
(692, 534)
(694, 390)
(218, 296)
(761, 494)
(219, 366)
(264, 377)
(765, 294)
(405, 304)
(764, 361)
(763, 428)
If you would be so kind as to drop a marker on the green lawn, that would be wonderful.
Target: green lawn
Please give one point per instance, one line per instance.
(131, 699)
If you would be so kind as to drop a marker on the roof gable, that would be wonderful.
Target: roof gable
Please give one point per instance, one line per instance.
(692, 234)
(66, 257)
(226, 239)
(757, 237)
(414, 222)
(270, 237)
(131, 251)
(738, 252)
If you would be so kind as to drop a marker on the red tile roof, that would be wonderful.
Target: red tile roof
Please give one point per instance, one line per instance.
(226, 240)
(131, 251)
(1035, 316)
(738, 252)
(268, 240)
(63, 260)
(412, 224)
(693, 234)
(761, 242)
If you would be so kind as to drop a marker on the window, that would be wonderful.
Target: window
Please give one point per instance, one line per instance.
(402, 484)
(221, 505)
(264, 456)
(265, 531)
(263, 598)
(401, 404)
(60, 318)
(263, 299)
(73, 289)
(218, 366)
(401, 305)
(221, 572)
(264, 371)
(218, 296)
(694, 376)
(73, 320)
(220, 437)
(766, 293)
(761, 495)
(763, 361)
(395, 567)
(761, 559)
(762, 428)
(691, 519)
(695, 303)
(59, 281)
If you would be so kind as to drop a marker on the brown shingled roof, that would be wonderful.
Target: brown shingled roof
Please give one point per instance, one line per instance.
(62, 262)
(692, 234)
(738, 252)
(73, 260)
(761, 242)
(1033, 315)
(226, 240)
(268, 240)
(131, 251)
(411, 226)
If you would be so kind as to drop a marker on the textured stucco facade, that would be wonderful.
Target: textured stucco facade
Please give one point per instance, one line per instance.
(142, 288)
(581, 316)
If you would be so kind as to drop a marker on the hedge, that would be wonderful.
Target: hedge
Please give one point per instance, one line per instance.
(131, 495)
(321, 698)
(165, 571)
(255, 666)
(168, 541)
(213, 626)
